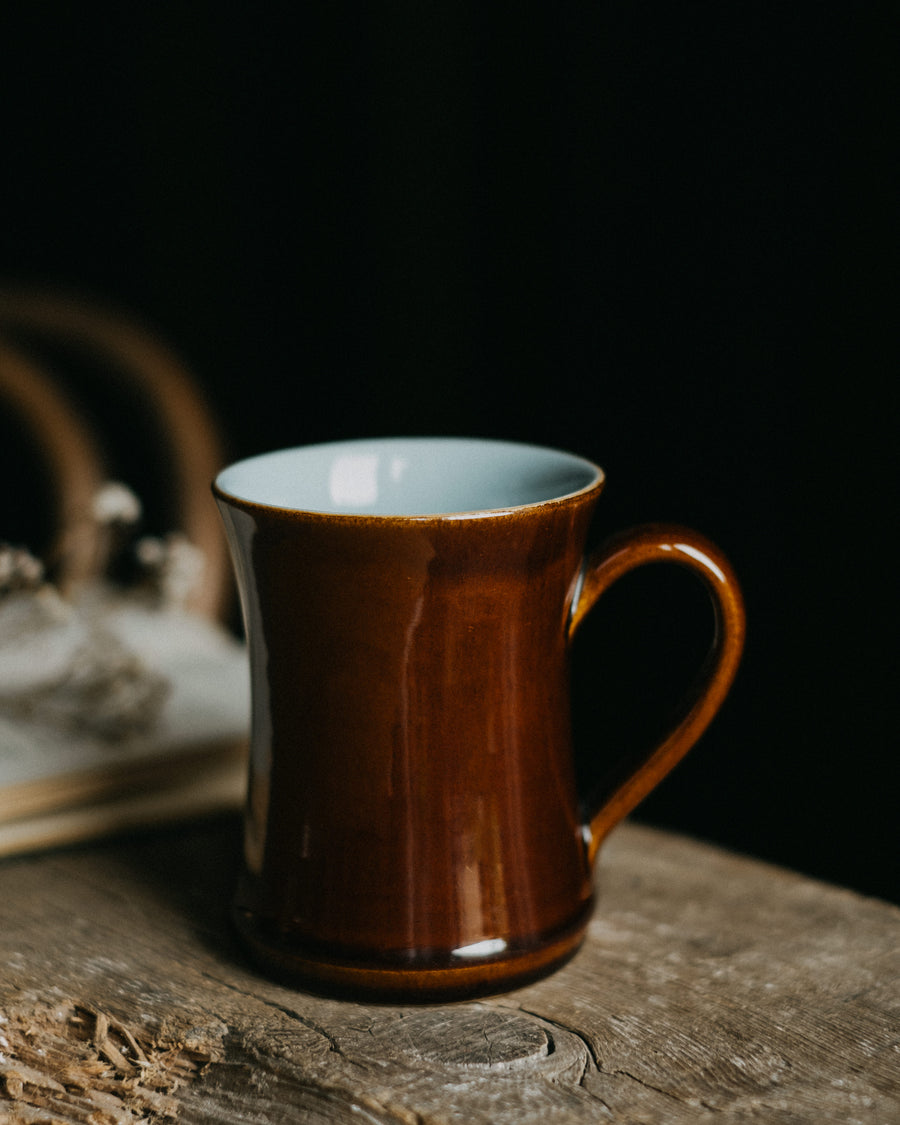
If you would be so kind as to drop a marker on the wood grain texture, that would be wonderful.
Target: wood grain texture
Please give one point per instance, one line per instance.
(711, 988)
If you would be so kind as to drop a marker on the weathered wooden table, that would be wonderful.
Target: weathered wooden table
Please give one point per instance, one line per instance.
(712, 988)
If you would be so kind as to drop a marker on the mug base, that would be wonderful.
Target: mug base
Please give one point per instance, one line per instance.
(283, 958)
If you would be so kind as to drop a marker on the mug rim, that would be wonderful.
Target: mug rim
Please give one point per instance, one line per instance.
(230, 494)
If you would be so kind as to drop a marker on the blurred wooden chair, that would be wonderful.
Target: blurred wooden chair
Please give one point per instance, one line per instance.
(120, 703)
(188, 436)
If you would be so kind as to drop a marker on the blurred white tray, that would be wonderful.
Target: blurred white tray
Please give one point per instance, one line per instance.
(59, 784)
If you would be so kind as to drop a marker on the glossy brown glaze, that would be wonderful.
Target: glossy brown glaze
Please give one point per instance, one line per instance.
(413, 828)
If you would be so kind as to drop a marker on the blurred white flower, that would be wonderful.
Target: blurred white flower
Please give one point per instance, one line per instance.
(115, 503)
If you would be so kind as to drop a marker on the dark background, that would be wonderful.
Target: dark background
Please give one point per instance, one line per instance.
(660, 236)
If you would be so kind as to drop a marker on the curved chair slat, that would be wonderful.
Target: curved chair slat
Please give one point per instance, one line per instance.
(185, 421)
(72, 456)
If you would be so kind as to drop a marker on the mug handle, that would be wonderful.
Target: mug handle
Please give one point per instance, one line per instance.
(653, 543)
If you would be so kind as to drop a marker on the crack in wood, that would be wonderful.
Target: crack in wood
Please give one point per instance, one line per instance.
(490, 1046)
(591, 1060)
(332, 1042)
(657, 1089)
(334, 1046)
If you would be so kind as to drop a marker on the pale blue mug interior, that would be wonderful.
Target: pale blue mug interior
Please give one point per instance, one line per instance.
(408, 477)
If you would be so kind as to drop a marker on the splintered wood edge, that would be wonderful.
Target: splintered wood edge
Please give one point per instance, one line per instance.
(78, 1063)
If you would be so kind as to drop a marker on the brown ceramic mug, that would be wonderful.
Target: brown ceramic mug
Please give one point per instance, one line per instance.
(413, 827)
